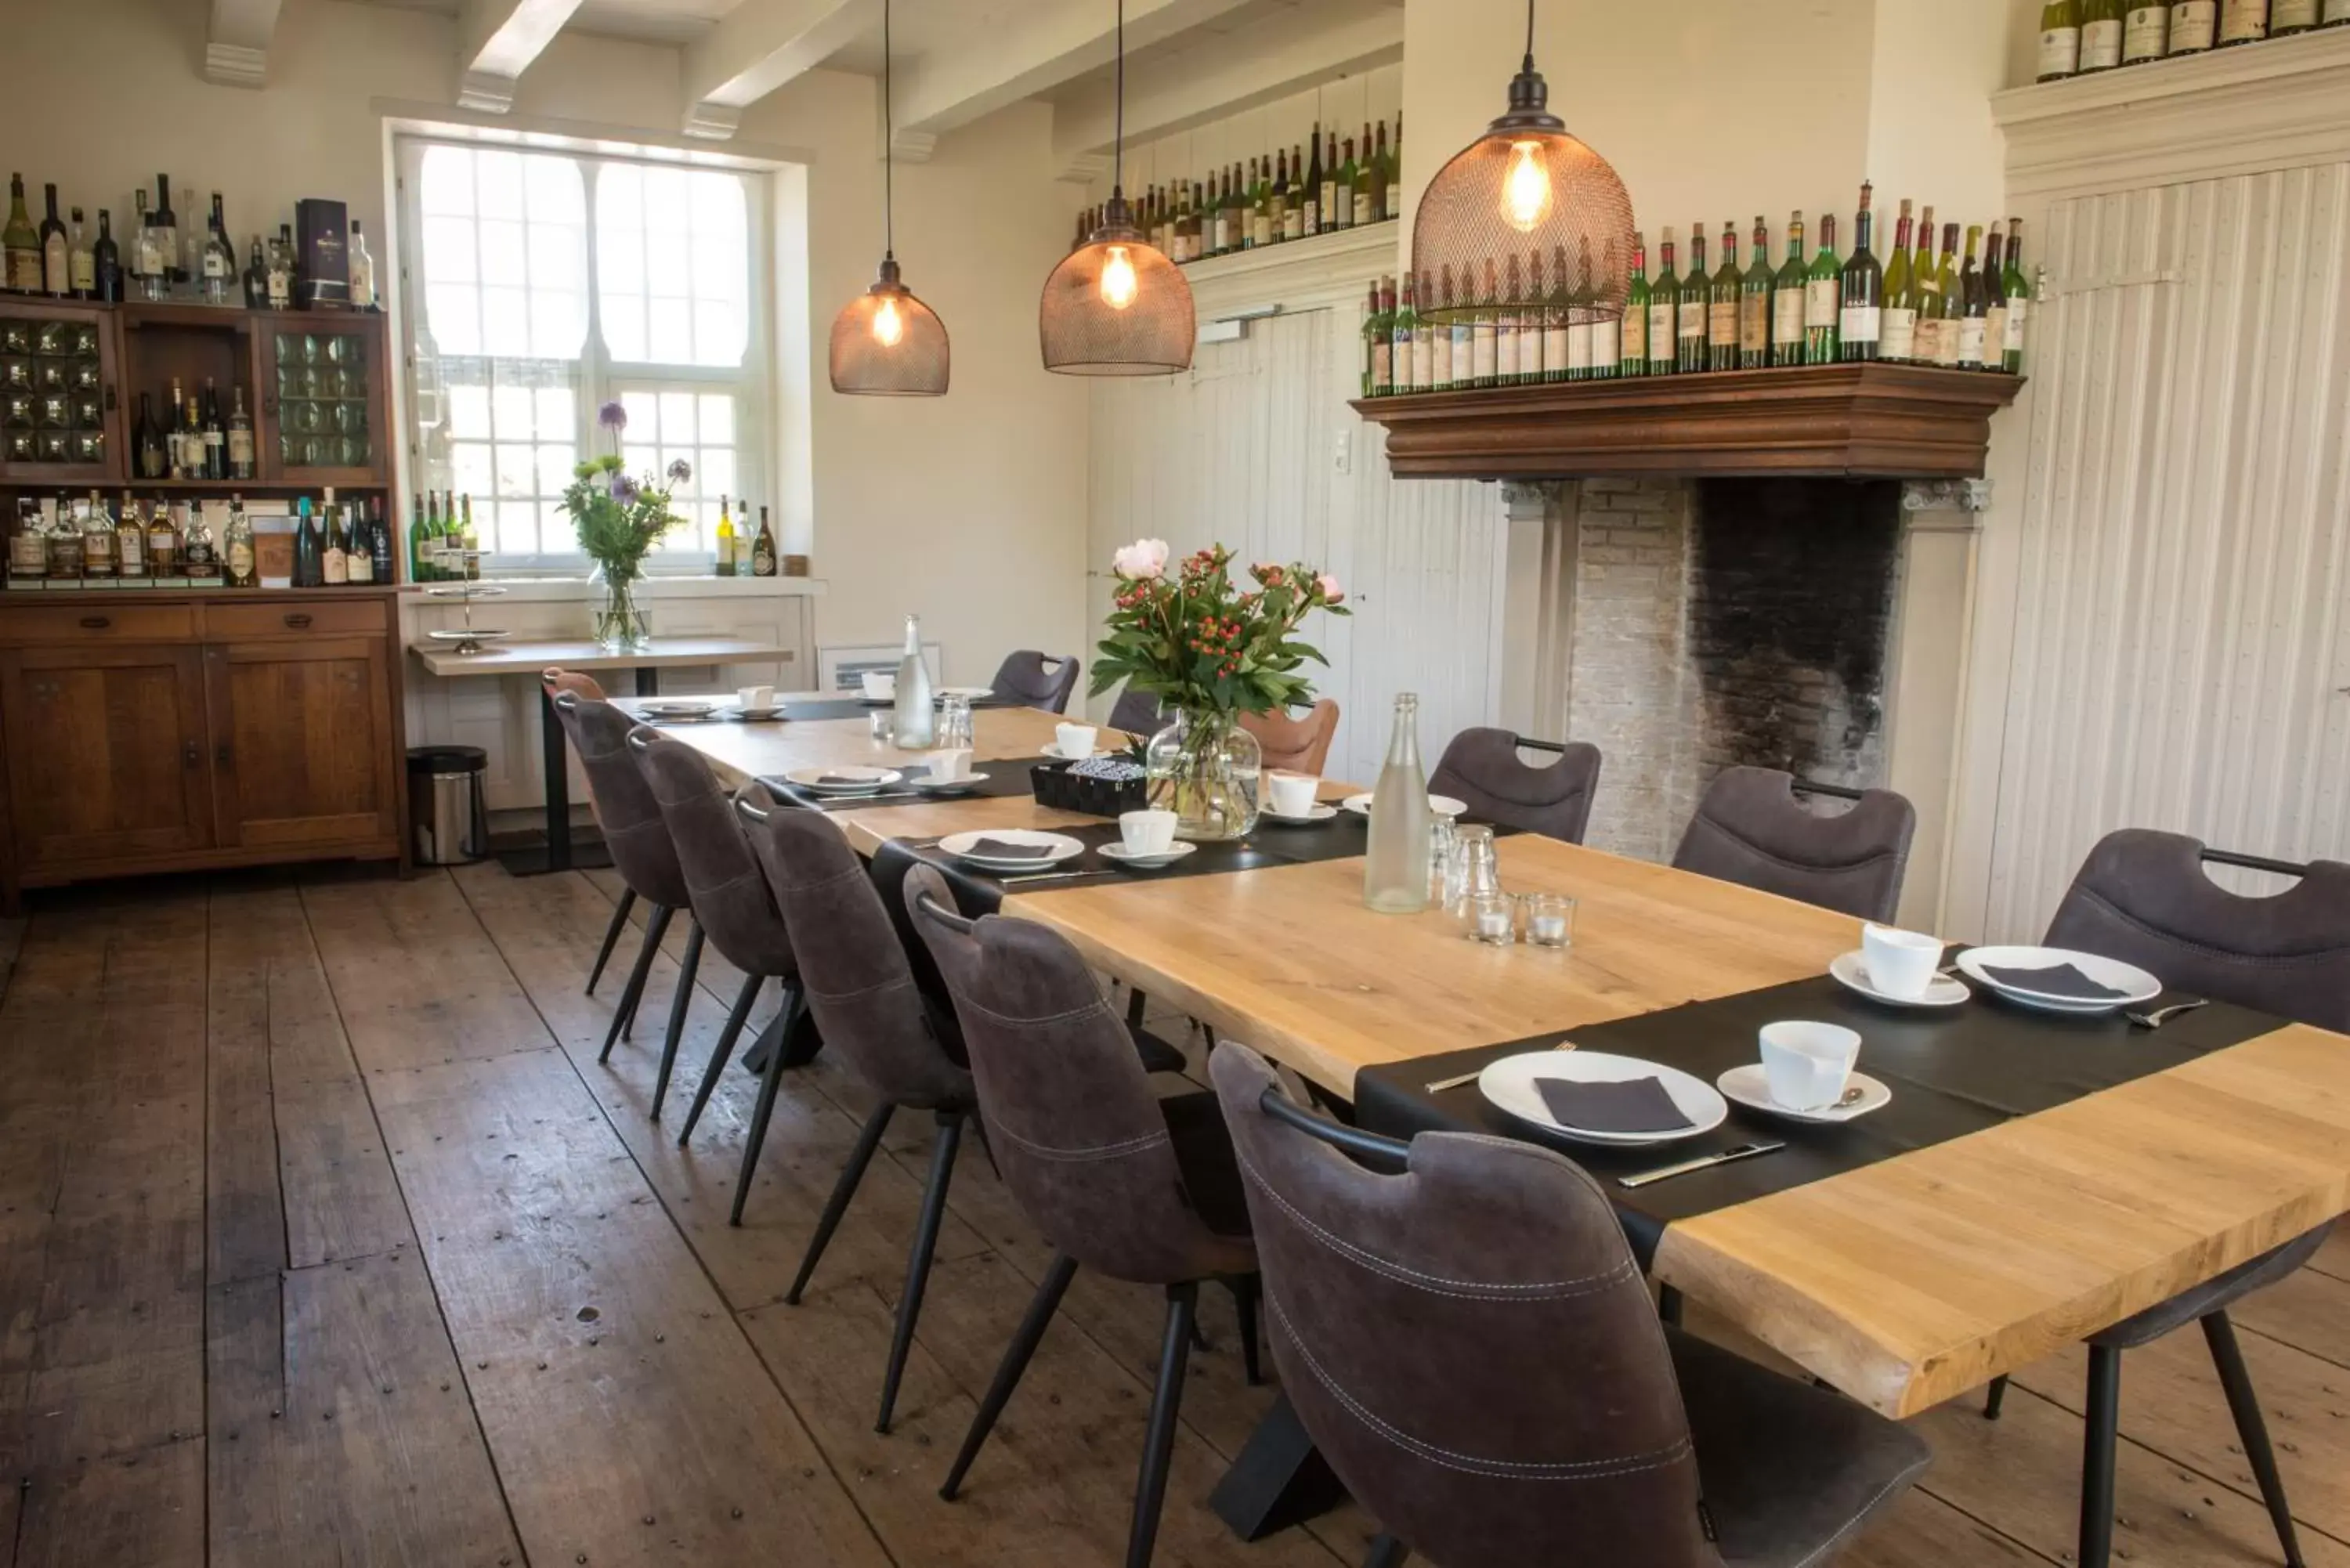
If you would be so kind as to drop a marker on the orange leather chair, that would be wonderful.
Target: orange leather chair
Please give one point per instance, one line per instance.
(1295, 745)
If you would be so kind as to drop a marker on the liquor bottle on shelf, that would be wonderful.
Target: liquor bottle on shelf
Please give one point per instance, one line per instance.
(56, 253)
(2333, 14)
(1315, 196)
(362, 271)
(1424, 333)
(2146, 31)
(1485, 330)
(726, 540)
(1382, 332)
(1289, 200)
(196, 541)
(192, 441)
(82, 262)
(310, 547)
(334, 548)
(1633, 339)
(153, 462)
(1994, 291)
(2018, 290)
(1507, 346)
(1382, 181)
(1366, 203)
(257, 279)
(64, 550)
(165, 222)
(2101, 34)
(1664, 311)
(2194, 27)
(1789, 287)
(1570, 318)
(763, 549)
(96, 539)
(2059, 40)
(219, 258)
(1403, 329)
(1453, 348)
(1860, 291)
(1689, 354)
(1725, 297)
(2242, 22)
(1897, 340)
(129, 540)
(1925, 295)
(1607, 332)
(1950, 340)
(1754, 302)
(281, 269)
(240, 438)
(380, 568)
(108, 257)
(162, 541)
(22, 242)
(28, 545)
(1822, 298)
(2287, 17)
(215, 435)
(242, 561)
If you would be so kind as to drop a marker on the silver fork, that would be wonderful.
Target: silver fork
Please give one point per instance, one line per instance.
(2162, 1015)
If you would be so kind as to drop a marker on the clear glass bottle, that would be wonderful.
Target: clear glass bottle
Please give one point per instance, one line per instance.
(1395, 868)
(916, 722)
(362, 271)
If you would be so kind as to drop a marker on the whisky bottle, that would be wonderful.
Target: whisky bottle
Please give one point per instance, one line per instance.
(130, 543)
(162, 541)
(281, 269)
(215, 435)
(96, 540)
(220, 257)
(257, 279)
(240, 440)
(21, 241)
(203, 562)
(82, 266)
(244, 564)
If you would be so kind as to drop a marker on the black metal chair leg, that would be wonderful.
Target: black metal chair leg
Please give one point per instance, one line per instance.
(631, 993)
(844, 1189)
(944, 1145)
(678, 1006)
(612, 935)
(1246, 1288)
(1386, 1552)
(764, 1110)
(1995, 1398)
(1668, 1305)
(1159, 1441)
(2251, 1428)
(1135, 1004)
(1040, 1308)
(2102, 1426)
(740, 1014)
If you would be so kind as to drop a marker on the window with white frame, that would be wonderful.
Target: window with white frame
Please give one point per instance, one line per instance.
(543, 286)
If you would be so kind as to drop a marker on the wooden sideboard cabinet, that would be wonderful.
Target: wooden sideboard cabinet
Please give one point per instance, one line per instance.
(165, 730)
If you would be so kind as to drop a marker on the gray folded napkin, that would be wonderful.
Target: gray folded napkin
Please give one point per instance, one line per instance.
(1001, 849)
(846, 779)
(2061, 979)
(1633, 1106)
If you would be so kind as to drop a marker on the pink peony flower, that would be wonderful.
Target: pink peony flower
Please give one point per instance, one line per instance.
(1331, 592)
(1141, 561)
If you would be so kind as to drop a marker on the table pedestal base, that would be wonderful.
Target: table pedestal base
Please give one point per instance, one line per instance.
(1278, 1479)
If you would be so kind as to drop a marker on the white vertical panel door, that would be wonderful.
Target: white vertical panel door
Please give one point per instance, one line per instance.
(1256, 449)
(2182, 640)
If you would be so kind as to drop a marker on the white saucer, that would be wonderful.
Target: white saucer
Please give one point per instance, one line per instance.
(1175, 852)
(1060, 847)
(1750, 1087)
(866, 779)
(1321, 811)
(756, 715)
(1509, 1083)
(2138, 986)
(665, 708)
(1441, 804)
(947, 786)
(1053, 749)
(1852, 969)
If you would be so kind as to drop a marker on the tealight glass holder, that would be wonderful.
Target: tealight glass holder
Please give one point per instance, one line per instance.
(1549, 920)
(1490, 918)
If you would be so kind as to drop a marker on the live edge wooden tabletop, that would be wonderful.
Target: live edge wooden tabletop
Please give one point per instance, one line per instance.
(1903, 1284)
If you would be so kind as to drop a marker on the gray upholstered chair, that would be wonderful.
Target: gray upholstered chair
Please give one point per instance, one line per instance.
(1473, 1350)
(732, 910)
(860, 988)
(1483, 767)
(1139, 1189)
(1137, 713)
(1034, 681)
(558, 681)
(2143, 897)
(1751, 829)
(638, 840)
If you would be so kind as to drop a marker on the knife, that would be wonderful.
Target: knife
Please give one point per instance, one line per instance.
(1702, 1162)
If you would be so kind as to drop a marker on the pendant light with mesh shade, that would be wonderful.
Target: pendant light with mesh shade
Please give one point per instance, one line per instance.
(1523, 200)
(886, 343)
(1117, 306)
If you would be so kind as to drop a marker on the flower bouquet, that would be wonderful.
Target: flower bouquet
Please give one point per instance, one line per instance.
(619, 520)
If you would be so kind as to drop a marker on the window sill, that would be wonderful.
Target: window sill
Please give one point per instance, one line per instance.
(526, 589)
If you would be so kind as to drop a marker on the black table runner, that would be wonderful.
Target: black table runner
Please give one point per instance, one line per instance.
(857, 707)
(1007, 778)
(1952, 1071)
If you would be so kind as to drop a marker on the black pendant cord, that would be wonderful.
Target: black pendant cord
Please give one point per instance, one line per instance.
(1117, 144)
(890, 149)
(1530, 35)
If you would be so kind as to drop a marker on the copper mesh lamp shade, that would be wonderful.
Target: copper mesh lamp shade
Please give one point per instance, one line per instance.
(1522, 205)
(1117, 307)
(886, 343)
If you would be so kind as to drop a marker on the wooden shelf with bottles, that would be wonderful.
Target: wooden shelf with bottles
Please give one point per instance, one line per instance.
(1865, 420)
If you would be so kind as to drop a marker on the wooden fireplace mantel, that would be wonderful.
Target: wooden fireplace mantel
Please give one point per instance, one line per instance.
(1865, 420)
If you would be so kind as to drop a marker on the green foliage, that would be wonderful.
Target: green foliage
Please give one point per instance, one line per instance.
(1204, 644)
(619, 520)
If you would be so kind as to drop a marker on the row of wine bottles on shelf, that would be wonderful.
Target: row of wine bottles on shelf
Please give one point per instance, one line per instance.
(69, 262)
(1292, 194)
(1519, 324)
(2080, 37)
(195, 441)
(63, 542)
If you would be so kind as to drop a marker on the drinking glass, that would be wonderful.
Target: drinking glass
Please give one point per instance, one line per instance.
(1549, 918)
(1490, 918)
(954, 723)
(1443, 863)
(1480, 872)
(885, 724)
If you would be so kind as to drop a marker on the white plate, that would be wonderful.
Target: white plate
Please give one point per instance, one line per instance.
(1118, 853)
(1060, 845)
(755, 715)
(664, 708)
(947, 786)
(1852, 969)
(1321, 811)
(868, 779)
(1053, 749)
(1509, 1083)
(1443, 804)
(973, 693)
(1750, 1087)
(2138, 986)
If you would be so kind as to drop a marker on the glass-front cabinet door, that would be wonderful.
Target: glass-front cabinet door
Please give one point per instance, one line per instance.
(60, 414)
(322, 401)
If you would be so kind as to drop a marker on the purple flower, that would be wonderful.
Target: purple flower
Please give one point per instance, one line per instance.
(612, 417)
(680, 470)
(624, 490)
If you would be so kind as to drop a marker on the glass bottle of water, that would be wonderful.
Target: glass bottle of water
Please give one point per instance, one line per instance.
(916, 723)
(1395, 871)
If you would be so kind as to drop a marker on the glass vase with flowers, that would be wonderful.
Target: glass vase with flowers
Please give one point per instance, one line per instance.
(619, 519)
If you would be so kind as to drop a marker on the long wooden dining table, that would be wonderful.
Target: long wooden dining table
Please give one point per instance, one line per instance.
(1901, 1282)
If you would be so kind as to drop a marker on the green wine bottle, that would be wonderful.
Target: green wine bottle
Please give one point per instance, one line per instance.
(1821, 298)
(1378, 347)
(1860, 290)
(1974, 322)
(1754, 303)
(2018, 289)
(1634, 346)
(2059, 40)
(2101, 34)
(1950, 342)
(1607, 329)
(1664, 312)
(1723, 302)
(1695, 289)
(1925, 293)
(1899, 340)
(1787, 299)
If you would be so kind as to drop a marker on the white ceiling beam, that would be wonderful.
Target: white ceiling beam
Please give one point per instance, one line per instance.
(757, 47)
(497, 42)
(1288, 53)
(236, 42)
(1050, 43)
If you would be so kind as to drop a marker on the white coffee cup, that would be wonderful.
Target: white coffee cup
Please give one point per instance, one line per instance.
(1292, 794)
(1147, 832)
(1075, 740)
(754, 697)
(1808, 1065)
(1900, 963)
(882, 688)
(950, 765)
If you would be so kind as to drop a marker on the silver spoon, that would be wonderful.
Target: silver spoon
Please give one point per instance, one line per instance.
(2163, 1016)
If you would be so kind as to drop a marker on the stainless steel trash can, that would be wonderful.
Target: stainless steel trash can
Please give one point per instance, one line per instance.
(447, 821)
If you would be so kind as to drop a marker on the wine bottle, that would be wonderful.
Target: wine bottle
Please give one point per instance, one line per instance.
(57, 255)
(2287, 17)
(1261, 230)
(380, 569)
(1691, 319)
(1506, 344)
(1310, 193)
(1485, 333)
(420, 542)
(1382, 188)
(1899, 340)
(165, 222)
(725, 541)
(219, 257)
(309, 566)
(763, 548)
(1926, 292)
(1450, 330)
(1365, 211)
(1424, 334)
(2146, 31)
(1375, 344)
(2242, 22)
(334, 550)
(1277, 201)
(1860, 291)
(2101, 34)
(1754, 302)
(1634, 360)
(153, 462)
(1664, 312)
(361, 264)
(21, 241)
(1607, 334)
(1395, 860)
(1788, 289)
(1294, 200)
(82, 262)
(2017, 290)
(2194, 26)
(1950, 342)
(1567, 345)
(240, 438)
(1822, 299)
(2059, 40)
(358, 560)
(1725, 298)
(1403, 329)
(214, 435)
(107, 256)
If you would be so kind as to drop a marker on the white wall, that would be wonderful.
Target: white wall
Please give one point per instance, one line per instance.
(969, 509)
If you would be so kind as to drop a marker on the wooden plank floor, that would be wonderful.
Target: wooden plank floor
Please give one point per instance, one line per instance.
(324, 1239)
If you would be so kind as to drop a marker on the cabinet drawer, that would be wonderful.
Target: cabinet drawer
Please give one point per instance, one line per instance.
(54, 626)
(292, 617)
